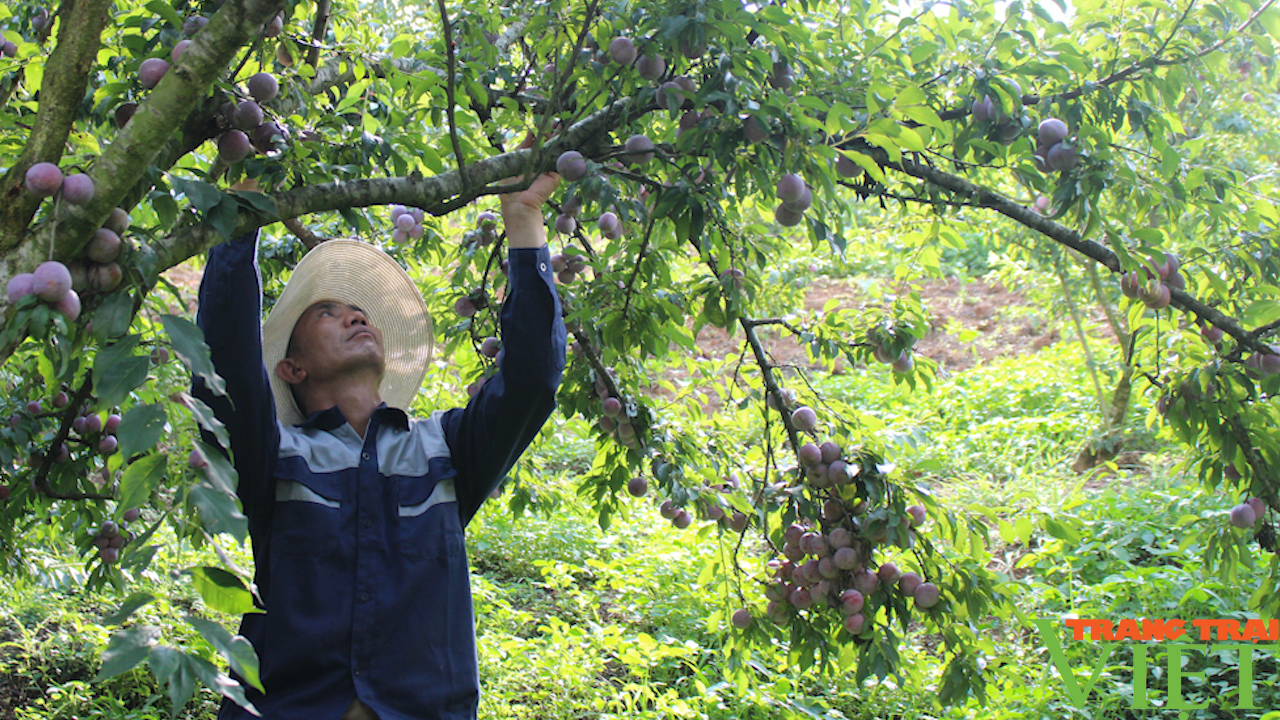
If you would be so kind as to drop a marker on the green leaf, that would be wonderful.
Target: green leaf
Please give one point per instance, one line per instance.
(207, 420)
(259, 203)
(220, 472)
(128, 608)
(112, 318)
(218, 512)
(222, 591)
(224, 216)
(126, 649)
(170, 667)
(141, 479)
(165, 11)
(202, 195)
(117, 371)
(236, 649)
(219, 682)
(140, 429)
(188, 342)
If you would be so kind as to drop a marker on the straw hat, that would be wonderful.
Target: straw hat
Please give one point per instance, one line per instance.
(359, 274)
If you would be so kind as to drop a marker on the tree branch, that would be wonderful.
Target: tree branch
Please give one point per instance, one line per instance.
(41, 481)
(317, 33)
(66, 77)
(987, 198)
(450, 80)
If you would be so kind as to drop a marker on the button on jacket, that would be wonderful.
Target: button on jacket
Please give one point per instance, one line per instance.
(358, 543)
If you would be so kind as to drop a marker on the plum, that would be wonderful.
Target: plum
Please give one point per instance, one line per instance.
(622, 51)
(637, 486)
(104, 247)
(791, 188)
(787, 217)
(608, 223)
(104, 278)
(1051, 131)
(639, 149)
(124, 112)
(490, 347)
(741, 618)
(927, 595)
(464, 307)
(43, 179)
(1243, 516)
(1062, 157)
(20, 286)
(571, 165)
(247, 116)
(855, 623)
(151, 70)
(176, 54)
(118, 221)
(566, 224)
(847, 168)
(755, 130)
(804, 418)
(233, 146)
(194, 24)
(651, 67)
(263, 87)
(51, 281)
(802, 203)
(77, 189)
(909, 583)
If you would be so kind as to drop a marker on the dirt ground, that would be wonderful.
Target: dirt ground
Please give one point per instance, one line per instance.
(980, 306)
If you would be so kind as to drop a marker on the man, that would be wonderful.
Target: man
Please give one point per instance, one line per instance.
(357, 511)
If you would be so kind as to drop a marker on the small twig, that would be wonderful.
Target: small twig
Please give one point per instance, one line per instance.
(304, 233)
(245, 60)
(450, 72)
(317, 34)
(41, 481)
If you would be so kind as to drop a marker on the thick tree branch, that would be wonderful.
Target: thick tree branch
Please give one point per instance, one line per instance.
(123, 163)
(63, 87)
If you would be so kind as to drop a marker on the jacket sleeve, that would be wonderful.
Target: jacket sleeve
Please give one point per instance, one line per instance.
(230, 316)
(487, 436)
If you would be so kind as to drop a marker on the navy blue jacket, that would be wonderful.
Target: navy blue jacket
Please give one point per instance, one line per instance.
(358, 543)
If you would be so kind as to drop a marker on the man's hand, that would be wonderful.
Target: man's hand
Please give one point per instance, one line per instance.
(522, 211)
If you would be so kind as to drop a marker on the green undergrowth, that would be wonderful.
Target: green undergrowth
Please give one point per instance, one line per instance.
(577, 622)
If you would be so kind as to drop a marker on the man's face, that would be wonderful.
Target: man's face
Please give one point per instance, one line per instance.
(332, 338)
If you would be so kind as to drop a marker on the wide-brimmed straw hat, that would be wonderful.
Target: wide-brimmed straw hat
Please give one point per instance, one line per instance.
(359, 274)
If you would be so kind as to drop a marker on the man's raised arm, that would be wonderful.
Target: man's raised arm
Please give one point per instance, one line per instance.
(487, 436)
(230, 315)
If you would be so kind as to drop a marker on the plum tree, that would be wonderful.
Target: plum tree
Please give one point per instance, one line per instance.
(716, 221)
